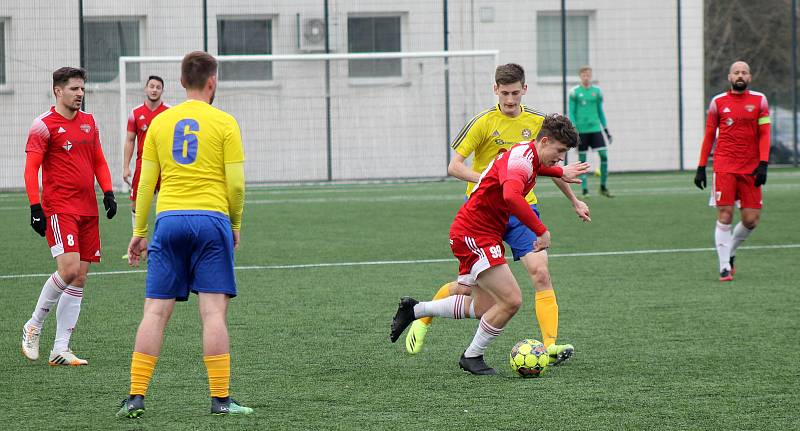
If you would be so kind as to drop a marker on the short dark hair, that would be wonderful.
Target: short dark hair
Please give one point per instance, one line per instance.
(62, 75)
(196, 68)
(156, 77)
(508, 74)
(559, 128)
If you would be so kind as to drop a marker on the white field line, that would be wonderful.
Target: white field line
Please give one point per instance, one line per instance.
(427, 261)
(424, 197)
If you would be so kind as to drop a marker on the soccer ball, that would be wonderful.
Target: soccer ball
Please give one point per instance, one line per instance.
(529, 358)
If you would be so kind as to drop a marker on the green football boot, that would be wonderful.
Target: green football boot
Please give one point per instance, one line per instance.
(131, 407)
(415, 337)
(220, 406)
(560, 353)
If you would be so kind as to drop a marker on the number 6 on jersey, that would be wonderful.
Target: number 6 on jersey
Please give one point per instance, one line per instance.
(185, 154)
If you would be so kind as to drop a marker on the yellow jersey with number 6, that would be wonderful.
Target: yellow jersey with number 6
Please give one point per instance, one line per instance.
(191, 143)
(490, 131)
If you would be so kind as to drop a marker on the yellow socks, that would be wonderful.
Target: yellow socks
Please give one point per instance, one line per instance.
(142, 367)
(547, 314)
(218, 366)
(443, 292)
(219, 374)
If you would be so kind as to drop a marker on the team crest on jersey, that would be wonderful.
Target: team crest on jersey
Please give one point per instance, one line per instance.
(67, 146)
(750, 108)
(86, 128)
(526, 133)
(729, 121)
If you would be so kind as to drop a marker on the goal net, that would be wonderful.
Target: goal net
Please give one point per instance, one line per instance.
(330, 117)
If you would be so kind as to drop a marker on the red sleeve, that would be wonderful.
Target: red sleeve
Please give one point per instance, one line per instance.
(32, 164)
(512, 194)
(131, 123)
(101, 171)
(550, 171)
(764, 128)
(38, 137)
(712, 122)
(763, 142)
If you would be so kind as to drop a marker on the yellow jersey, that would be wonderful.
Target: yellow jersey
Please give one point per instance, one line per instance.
(490, 131)
(191, 143)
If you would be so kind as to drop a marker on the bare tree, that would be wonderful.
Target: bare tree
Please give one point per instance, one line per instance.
(758, 32)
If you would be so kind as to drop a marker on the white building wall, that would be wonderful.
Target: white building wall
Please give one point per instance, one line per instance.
(633, 50)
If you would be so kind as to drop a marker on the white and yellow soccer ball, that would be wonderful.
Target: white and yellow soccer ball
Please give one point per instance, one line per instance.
(529, 358)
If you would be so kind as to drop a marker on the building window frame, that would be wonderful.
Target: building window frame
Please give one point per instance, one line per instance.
(4, 52)
(396, 67)
(110, 73)
(240, 70)
(545, 72)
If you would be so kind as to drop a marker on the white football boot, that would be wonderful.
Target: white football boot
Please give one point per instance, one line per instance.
(30, 341)
(66, 358)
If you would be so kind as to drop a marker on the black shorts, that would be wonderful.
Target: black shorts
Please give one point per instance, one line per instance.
(594, 140)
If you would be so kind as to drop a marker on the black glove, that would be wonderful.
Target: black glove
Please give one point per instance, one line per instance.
(608, 135)
(110, 204)
(700, 177)
(761, 174)
(37, 219)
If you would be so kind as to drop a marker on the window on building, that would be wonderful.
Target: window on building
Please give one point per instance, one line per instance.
(2, 52)
(374, 34)
(241, 37)
(548, 44)
(105, 41)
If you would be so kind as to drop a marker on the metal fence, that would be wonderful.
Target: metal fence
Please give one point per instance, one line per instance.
(658, 64)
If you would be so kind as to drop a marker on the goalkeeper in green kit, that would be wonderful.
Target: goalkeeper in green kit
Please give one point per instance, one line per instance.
(586, 112)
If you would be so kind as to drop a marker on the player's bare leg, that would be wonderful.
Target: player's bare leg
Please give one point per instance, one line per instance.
(496, 285)
(546, 306)
(723, 237)
(147, 348)
(743, 229)
(216, 353)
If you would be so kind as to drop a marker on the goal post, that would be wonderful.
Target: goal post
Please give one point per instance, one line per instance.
(341, 116)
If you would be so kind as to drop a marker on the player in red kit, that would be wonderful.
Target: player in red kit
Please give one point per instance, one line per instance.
(476, 239)
(138, 122)
(740, 162)
(65, 143)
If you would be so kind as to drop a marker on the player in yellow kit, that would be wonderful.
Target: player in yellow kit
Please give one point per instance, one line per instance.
(491, 131)
(197, 150)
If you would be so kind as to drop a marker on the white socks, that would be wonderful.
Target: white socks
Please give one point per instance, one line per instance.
(451, 307)
(69, 307)
(51, 291)
(740, 233)
(724, 239)
(485, 334)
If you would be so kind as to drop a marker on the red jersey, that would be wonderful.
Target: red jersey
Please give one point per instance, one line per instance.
(486, 212)
(138, 122)
(743, 139)
(71, 154)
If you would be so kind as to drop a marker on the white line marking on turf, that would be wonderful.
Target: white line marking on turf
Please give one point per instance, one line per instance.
(422, 261)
